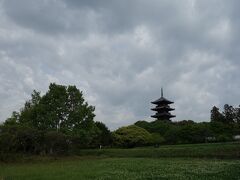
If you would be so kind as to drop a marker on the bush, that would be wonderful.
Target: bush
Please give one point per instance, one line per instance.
(16, 138)
(56, 142)
(224, 138)
(131, 136)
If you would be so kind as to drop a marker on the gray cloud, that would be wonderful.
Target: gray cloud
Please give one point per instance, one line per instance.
(120, 53)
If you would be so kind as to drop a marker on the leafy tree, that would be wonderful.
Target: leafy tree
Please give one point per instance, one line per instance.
(228, 113)
(157, 139)
(172, 135)
(131, 136)
(216, 116)
(157, 126)
(237, 114)
(13, 120)
(46, 122)
(17, 138)
(56, 142)
(104, 137)
(62, 108)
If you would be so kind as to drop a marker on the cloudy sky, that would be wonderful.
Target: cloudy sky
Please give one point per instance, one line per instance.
(121, 52)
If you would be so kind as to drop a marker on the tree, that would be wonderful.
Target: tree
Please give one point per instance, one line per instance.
(237, 114)
(172, 135)
(59, 114)
(157, 139)
(104, 137)
(216, 116)
(228, 113)
(13, 120)
(157, 126)
(17, 138)
(131, 136)
(62, 108)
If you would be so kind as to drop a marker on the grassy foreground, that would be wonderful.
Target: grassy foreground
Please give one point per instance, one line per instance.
(124, 168)
(199, 161)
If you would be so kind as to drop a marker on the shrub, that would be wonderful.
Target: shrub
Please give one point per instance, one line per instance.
(131, 136)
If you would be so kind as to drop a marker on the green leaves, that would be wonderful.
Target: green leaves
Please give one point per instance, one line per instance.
(131, 136)
(62, 108)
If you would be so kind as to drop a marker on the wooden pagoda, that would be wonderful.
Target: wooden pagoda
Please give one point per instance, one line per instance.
(162, 108)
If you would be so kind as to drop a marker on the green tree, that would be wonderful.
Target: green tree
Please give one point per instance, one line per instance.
(157, 126)
(17, 138)
(228, 113)
(104, 137)
(62, 108)
(56, 142)
(216, 116)
(237, 115)
(131, 136)
(13, 120)
(157, 139)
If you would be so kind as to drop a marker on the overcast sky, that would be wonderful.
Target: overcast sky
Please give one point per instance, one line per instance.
(121, 52)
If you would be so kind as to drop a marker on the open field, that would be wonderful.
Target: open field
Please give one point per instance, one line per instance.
(199, 161)
(124, 168)
(211, 150)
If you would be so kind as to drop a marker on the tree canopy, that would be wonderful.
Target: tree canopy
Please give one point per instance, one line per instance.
(62, 108)
(131, 136)
(53, 122)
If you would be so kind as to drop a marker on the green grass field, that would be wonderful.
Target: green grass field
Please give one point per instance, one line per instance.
(137, 163)
(215, 150)
(124, 168)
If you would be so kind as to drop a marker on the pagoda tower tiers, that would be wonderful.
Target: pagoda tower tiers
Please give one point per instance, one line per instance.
(162, 108)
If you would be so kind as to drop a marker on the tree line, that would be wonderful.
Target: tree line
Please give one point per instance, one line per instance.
(61, 121)
(57, 122)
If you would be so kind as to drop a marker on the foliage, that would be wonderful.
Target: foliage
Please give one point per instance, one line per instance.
(157, 139)
(157, 126)
(55, 142)
(62, 108)
(230, 115)
(53, 123)
(131, 136)
(17, 138)
(124, 168)
(206, 150)
(216, 116)
(104, 136)
(61, 121)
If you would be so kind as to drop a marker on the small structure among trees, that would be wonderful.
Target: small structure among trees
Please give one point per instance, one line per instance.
(162, 108)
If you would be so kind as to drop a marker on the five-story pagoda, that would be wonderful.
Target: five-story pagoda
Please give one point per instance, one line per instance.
(162, 108)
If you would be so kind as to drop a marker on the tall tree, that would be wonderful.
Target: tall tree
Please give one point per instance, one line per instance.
(229, 115)
(237, 115)
(62, 108)
(14, 119)
(216, 116)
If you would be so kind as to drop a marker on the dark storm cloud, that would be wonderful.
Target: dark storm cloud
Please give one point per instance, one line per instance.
(120, 53)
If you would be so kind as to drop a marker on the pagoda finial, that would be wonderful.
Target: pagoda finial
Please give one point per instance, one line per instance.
(161, 92)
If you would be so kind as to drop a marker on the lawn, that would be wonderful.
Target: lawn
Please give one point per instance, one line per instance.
(198, 161)
(124, 168)
(208, 150)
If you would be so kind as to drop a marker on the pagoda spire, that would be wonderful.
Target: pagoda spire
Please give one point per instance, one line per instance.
(161, 92)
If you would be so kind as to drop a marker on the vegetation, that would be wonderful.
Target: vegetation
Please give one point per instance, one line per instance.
(208, 150)
(54, 136)
(54, 123)
(223, 127)
(131, 136)
(124, 168)
(62, 122)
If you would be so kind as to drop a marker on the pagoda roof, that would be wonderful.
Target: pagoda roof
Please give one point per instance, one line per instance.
(162, 100)
(164, 114)
(162, 108)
